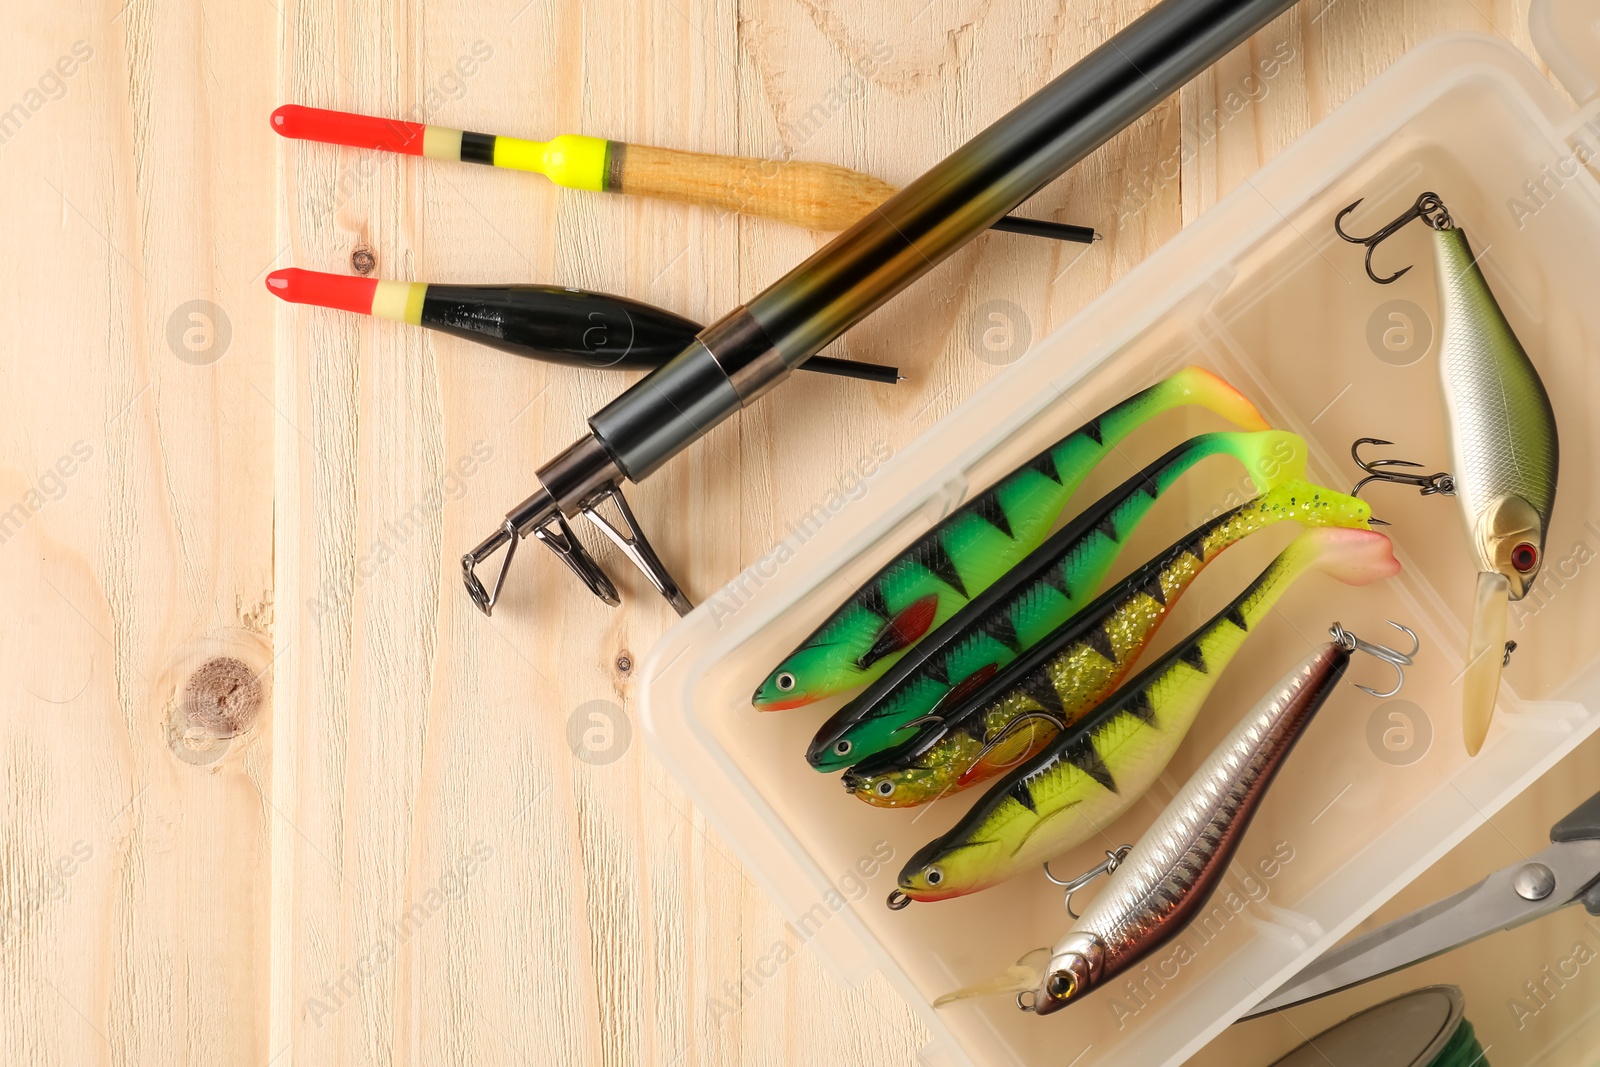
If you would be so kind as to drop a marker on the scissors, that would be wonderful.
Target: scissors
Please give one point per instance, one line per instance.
(1567, 872)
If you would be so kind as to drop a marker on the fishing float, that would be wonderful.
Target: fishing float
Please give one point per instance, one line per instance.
(817, 196)
(551, 323)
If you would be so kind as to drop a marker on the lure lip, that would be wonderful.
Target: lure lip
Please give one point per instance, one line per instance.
(1486, 654)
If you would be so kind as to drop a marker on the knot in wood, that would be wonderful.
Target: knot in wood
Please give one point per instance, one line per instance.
(222, 698)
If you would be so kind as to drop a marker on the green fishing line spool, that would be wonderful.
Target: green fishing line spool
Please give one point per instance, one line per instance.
(1426, 1027)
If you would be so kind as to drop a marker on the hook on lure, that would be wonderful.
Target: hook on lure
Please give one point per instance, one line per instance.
(1393, 657)
(1113, 860)
(1442, 483)
(1428, 207)
(994, 740)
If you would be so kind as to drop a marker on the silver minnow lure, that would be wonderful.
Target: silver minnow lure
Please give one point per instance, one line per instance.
(1172, 872)
(1168, 877)
(1503, 442)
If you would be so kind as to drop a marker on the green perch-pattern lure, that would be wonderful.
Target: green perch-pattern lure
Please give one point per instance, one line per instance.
(972, 547)
(1068, 673)
(1092, 773)
(1041, 593)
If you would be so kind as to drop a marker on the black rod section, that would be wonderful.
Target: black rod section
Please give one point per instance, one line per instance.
(739, 357)
(1061, 231)
(914, 230)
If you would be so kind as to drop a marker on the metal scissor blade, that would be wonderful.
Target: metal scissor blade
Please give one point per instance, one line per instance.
(1493, 904)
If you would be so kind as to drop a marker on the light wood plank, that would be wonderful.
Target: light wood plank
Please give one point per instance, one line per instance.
(136, 452)
(441, 874)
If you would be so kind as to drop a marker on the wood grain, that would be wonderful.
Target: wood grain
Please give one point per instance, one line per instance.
(398, 832)
(136, 562)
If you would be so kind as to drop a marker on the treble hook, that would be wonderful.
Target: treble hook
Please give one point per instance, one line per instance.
(1383, 470)
(1429, 208)
(1112, 861)
(1393, 657)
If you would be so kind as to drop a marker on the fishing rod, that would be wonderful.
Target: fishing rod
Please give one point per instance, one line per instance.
(741, 356)
(818, 196)
(552, 323)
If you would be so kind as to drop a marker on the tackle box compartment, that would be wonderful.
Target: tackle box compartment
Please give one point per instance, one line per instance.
(1260, 290)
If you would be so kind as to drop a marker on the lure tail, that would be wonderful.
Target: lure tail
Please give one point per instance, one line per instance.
(1196, 385)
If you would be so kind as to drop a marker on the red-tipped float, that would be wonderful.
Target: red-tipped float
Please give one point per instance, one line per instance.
(545, 322)
(819, 196)
(342, 127)
(337, 291)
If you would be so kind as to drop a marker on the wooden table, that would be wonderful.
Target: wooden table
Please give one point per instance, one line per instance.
(274, 791)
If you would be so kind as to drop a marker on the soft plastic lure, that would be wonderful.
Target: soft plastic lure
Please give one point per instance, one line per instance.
(1093, 772)
(1039, 594)
(968, 550)
(1503, 439)
(1069, 672)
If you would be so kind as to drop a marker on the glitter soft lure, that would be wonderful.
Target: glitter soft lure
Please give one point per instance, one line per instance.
(970, 549)
(1092, 773)
(1070, 671)
(1039, 594)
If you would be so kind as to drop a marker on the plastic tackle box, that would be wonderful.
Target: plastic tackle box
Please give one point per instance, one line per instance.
(1260, 290)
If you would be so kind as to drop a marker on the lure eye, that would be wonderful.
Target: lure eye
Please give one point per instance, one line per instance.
(933, 876)
(842, 747)
(784, 681)
(1524, 557)
(1060, 985)
(886, 788)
